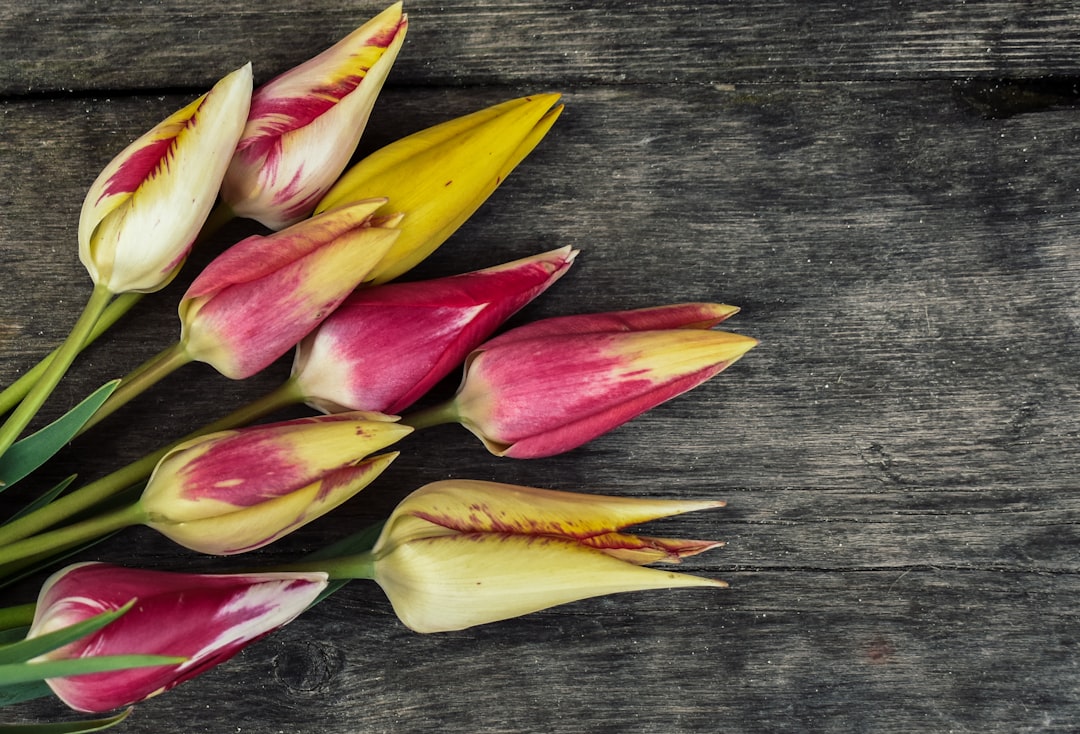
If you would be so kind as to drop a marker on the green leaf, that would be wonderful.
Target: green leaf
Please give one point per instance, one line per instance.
(16, 673)
(29, 649)
(358, 542)
(66, 727)
(33, 451)
(44, 499)
(18, 693)
(13, 635)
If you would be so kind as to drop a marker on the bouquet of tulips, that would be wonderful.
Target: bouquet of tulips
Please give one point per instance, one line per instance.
(454, 553)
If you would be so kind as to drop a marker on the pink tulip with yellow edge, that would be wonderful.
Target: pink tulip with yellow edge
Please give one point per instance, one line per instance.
(304, 124)
(460, 553)
(144, 211)
(439, 176)
(203, 618)
(235, 491)
(551, 386)
(386, 346)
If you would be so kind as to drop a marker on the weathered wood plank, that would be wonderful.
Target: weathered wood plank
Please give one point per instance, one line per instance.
(74, 45)
(898, 454)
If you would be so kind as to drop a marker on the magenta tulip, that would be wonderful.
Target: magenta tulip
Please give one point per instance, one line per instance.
(205, 619)
(549, 387)
(386, 346)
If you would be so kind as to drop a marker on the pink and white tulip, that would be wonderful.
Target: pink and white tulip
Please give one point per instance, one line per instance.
(235, 491)
(260, 297)
(385, 347)
(144, 211)
(304, 124)
(204, 618)
(459, 553)
(551, 386)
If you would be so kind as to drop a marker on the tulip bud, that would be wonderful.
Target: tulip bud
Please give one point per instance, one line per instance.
(204, 618)
(549, 387)
(459, 553)
(144, 211)
(304, 125)
(384, 347)
(263, 295)
(235, 491)
(439, 176)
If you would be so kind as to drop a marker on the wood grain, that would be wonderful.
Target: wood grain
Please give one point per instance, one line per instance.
(898, 454)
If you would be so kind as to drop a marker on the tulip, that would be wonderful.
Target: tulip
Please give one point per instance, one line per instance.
(142, 214)
(459, 553)
(386, 346)
(234, 491)
(204, 618)
(549, 387)
(304, 125)
(263, 295)
(439, 176)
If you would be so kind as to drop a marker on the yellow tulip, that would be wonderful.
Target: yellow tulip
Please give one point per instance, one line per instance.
(459, 553)
(439, 176)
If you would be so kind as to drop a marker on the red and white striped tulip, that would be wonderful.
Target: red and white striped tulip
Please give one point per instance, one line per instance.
(439, 176)
(144, 211)
(204, 618)
(384, 347)
(459, 553)
(264, 294)
(304, 124)
(235, 491)
(551, 386)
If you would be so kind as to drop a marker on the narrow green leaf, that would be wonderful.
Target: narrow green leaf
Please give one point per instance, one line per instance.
(44, 499)
(66, 727)
(13, 635)
(18, 570)
(33, 451)
(16, 673)
(358, 542)
(30, 649)
(10, 695)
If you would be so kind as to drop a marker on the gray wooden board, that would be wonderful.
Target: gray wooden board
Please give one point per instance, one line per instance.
(897, 454)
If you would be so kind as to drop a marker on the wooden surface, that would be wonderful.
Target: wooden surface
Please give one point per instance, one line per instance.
(890, 192)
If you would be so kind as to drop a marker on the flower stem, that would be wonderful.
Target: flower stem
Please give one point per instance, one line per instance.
(101, 489)
(70, 535)
(139, 380)
(54, 371)
(356, 566)
(18, 616)
(434, 416)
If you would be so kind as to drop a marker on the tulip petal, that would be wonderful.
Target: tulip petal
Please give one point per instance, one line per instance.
(673, 316)
(440, 176)
(305, 124)
(142, 214)
(453, 582)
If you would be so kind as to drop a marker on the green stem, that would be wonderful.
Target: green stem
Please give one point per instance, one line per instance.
(56, 368)
(72, 534)
(356, 566)
(19, 616)
(139, 380)
(101, 489)
(16, 391)
(435, 416)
